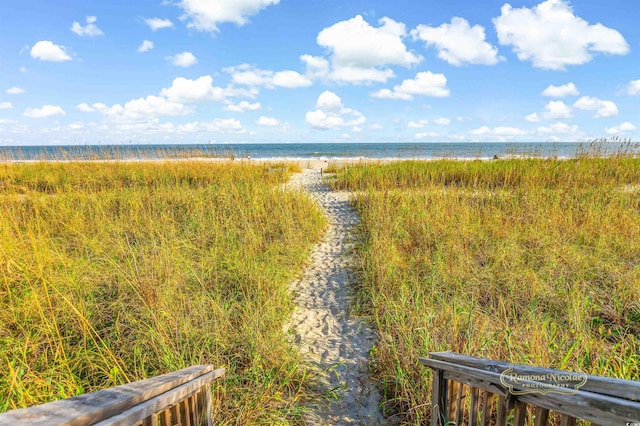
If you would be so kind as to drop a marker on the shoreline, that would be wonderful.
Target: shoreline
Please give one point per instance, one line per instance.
(315, 163)
(331, 153)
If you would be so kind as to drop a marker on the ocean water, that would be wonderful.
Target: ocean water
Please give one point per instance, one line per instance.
(310, 151)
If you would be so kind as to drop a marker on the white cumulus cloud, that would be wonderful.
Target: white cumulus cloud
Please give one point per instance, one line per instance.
(184, 90)
(46, 50)
(568, 89)
(317, 66)
(602, 108)
(442, 121)
(158, 23)
(89, 30)
(329, 101)
(458, 43)
(290, 79)
(44, 112)
(6, 105)
(331, 113)
(498, 131)
(143, 108)
(205, 15)
(425, 135)
(248, 75)
(552, 37)
(533, 117)
(558, 128)
(145, 46)
(14, 91)
(220, 125)
(361, 53)
(243, 106)
(184, 59)
(267, 121)
(84, 107)
(76, 126)
(425, 84)
(557, 110)
(418, 124)
(633, 88)
(624, 127)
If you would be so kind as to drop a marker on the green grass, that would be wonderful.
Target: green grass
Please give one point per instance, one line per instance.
(114, 272)
(530, 261)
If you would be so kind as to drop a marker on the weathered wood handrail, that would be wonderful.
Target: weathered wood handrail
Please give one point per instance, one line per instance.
(495, 389)
(182, 397)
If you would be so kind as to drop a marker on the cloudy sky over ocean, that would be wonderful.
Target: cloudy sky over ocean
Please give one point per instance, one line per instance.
(230, 71)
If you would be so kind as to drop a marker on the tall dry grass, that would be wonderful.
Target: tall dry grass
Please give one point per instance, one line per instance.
(113, 272)
(528, 261)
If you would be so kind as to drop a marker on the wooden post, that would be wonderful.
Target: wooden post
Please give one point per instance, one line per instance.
(542, 416)
(438, 398)
(475, 402)
(452, 391)
(165, 418)
(501, 418)
(487, 408)
(176, 418)
(567, 420)
(460, 388)
(520, 416)
(208, 406)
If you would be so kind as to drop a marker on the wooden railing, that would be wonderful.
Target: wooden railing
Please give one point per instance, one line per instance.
(179, 398)
(479, 391)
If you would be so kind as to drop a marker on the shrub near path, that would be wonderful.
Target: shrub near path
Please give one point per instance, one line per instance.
(114, 272)
(529, 261)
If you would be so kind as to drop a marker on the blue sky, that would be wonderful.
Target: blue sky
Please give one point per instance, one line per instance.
(230, 71)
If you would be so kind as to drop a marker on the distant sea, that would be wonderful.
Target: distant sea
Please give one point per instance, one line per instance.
(310, 151)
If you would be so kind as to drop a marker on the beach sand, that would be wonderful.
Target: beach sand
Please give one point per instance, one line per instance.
(337, 344)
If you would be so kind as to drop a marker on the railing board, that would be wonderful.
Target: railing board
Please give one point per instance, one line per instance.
(583, 406)
(457, 375)
(590, 406)
(473, 382)
(182, 393)
(596, 384)
(97, 406)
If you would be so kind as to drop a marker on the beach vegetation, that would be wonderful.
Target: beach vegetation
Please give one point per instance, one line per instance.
(118, 271)
(531, 261)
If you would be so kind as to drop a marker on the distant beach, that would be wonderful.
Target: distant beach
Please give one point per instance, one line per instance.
(311, 151)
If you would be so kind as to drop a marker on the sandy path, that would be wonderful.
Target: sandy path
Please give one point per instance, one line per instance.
(327, 336)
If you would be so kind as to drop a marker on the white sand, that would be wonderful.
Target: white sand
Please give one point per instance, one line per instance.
(336, 343)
